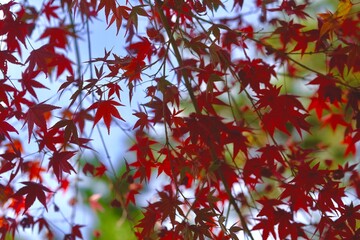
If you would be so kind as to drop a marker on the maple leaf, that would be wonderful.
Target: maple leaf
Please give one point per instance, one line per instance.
(14, 28)
(89, 168)
(134, 69)
(94, 202)
(331, 193)
(59, 163)
(5, 89)
(332, 21)
(142, 122)
(334, 120)
(255, 73)
(62, 63)
(43, 223)
(29, 83)
(58, 36)
(100, 170)
(145, 159)
(5, 127)
(35, 170)
(70, 134)
(5, 57)
(142, 48)
(120, 13)
(350, 214)
(134, 189)
(75, 232)
(33, 191)
(147, 223)
(319, 105)
(50, 139)
(113, 88)
(5, 193)
(327, 88)
(350, 140)
(41, 58)
(279, 104)
(35, 116)
(236, 135)
(109, 5)
(105, 109)
(238, 3)
(160, 110)
(49, 10)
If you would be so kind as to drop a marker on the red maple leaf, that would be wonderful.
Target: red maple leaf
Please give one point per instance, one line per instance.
(334, 119)
(255, 73)
(75, 232)
(100, 170)
(106, 110)
(5, 57)
(109, 5)
(41, 58)
(49, 10)
(28, 82)
(50, 138)
(35, 116)
(280, 104)
(35, 170)
(5, 127)
(327, 88)
(59, 163)
(142, 49)
(33, 191)
(5, 89)
(58, 36)
(120, 13)
(148, 222)
(89, 168)
(142, 122)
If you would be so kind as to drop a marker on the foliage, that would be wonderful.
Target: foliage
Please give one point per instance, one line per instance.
(251, 117)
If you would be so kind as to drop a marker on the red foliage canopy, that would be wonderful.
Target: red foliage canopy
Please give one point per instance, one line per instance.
(250, 116)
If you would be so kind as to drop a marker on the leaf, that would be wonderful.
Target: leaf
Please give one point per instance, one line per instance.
(94, 203)
(343, 8)
(100, 170)
(238, 3)
(58, 36)
(88, 168)
(279, 104)
(105, 110)
(49, 10)
(334, 120)
(33, 191)
(120, 13)
(59, 163)
(108, 5)
(70, 131)
(40, 58)
(143, 48)
(75, 232)
(5, 57)
(28, 82)
(332, 21)
(142, 122)
(255, 73)
(62, 63)
(5, 127)
(35, 116)
(147, 223)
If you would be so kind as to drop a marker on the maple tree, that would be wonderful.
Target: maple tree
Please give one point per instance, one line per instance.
(247, 111)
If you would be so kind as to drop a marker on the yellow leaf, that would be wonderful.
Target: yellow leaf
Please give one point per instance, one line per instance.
(333, 21)
(343, 10)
